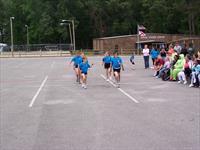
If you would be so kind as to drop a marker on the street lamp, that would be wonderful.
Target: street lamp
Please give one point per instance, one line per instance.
(11, 30)
(72, 21)
(70, 31)
(27, 36)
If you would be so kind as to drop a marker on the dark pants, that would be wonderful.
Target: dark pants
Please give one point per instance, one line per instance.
(146, 61)
(153, 60)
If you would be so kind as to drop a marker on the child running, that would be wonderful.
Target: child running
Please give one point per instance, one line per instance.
(117, 65)
(77, 60)
(84, 66)
(107, 65)
(132, 59)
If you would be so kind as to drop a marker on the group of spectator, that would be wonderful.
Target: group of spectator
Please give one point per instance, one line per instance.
(176, 63)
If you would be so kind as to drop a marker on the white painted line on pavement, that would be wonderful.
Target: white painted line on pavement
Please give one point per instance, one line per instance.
(129, 96)
(38, 91)
(108, 81)
(133, 99)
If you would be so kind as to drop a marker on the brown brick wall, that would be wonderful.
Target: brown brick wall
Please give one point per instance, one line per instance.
(129, 42)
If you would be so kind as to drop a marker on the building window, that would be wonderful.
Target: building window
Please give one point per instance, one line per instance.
(116, 47)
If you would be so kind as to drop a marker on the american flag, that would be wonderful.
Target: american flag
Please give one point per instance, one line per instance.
(141, 30)
(142, 34)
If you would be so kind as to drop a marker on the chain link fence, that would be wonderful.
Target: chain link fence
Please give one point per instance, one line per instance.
(37, 50)
(102, 52)
(44, 50)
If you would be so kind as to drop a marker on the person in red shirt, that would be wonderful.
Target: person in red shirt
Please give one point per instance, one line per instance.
(159, 62)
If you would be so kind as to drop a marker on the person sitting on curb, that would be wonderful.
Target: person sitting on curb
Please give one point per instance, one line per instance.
(186, 72)
(165, 67)
(158, 65)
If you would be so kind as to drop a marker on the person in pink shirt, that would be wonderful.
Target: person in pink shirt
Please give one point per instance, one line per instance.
(171, 50)
(187, 70)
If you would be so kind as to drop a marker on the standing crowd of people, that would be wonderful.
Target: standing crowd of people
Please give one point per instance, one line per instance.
(174, 64)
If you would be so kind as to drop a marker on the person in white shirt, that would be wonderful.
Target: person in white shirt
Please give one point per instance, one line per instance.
(145, 52)
(177, 48)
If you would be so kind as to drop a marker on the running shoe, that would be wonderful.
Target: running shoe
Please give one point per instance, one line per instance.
(155, 74)
(179, 82)
(85, 86)
(82, 85)
(191, 85)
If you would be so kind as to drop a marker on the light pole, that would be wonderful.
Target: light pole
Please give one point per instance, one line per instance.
(73, 28)
(27, 36)
(74, 34)
(70, 31)
(11, 30)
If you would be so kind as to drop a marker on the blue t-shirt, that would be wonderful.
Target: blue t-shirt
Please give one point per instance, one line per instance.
(196, 69)
(77, 60)
(84, 66)
(116, 62)
(154, 53)
(107, 59)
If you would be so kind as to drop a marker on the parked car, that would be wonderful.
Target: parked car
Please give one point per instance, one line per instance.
(4, 47)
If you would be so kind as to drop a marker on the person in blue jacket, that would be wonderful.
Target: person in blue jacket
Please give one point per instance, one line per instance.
(154, 54)
(106, 61)
(77, 60)
(117, 65)
(84, 66)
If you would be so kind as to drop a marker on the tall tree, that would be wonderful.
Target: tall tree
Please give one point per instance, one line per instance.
(97, 18)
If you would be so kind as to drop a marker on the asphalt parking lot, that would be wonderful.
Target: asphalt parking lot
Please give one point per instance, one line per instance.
(43, 108)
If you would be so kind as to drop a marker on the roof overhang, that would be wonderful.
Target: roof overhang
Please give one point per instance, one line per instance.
(149, 41)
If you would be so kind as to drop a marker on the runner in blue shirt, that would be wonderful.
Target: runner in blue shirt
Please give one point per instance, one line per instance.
(77, 60)
(117, 65)
(84, 66)
(107, 65)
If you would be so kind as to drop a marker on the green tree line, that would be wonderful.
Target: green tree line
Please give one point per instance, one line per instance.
(95, 18)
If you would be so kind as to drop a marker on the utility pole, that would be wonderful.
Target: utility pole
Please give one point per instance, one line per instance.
(74, 35)
(70, 33)
(73, 28)
(11, 30)
(27, 36)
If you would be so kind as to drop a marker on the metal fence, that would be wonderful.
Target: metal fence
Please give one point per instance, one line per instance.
(101, 52)
(38, 50)
(44, 50)
(44, 47)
